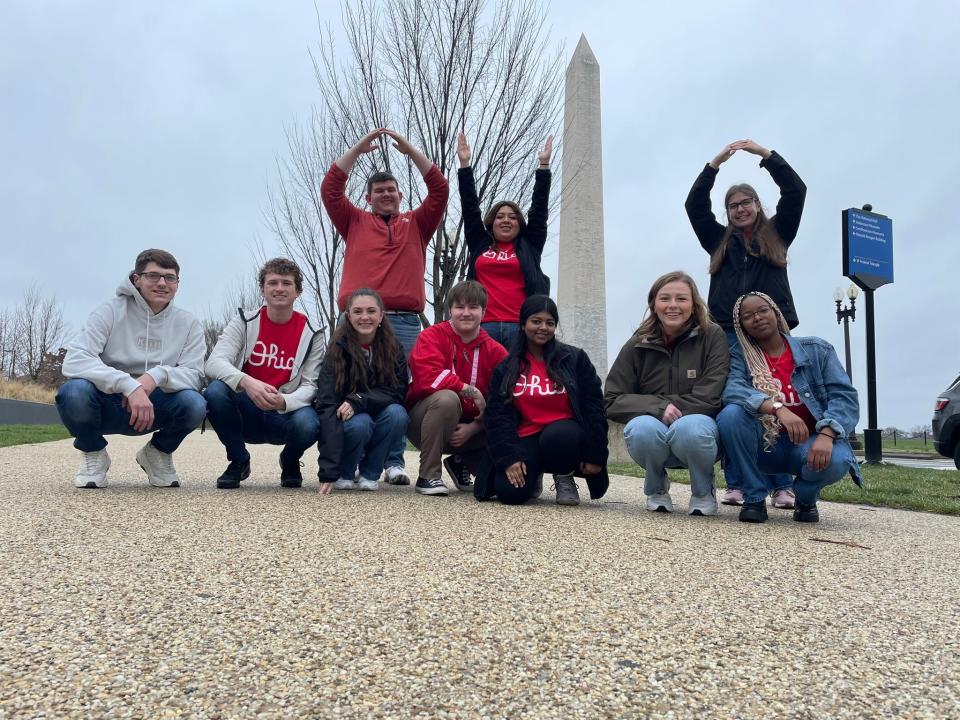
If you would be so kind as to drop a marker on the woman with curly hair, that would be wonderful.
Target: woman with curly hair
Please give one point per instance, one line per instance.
(788, 408)
(504, 248)
(544, 414)
(360, 394)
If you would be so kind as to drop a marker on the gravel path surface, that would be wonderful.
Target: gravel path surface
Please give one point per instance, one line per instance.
(142, 602)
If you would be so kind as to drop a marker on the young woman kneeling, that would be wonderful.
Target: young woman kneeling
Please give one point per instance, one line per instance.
(360, 393)
(545, 414)
(665, 386)
(788, 408)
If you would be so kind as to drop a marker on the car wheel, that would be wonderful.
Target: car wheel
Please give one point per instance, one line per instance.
(956, 455)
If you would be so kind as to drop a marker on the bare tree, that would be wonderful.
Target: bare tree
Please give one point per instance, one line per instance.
(244, 294)
(32, 330)
(429, 69)
(297, 219)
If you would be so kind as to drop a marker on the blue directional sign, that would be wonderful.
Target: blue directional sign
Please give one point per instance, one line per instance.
(867, 248)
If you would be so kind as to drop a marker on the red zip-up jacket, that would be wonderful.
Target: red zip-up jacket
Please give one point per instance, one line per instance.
(389, 257)
(442, 361)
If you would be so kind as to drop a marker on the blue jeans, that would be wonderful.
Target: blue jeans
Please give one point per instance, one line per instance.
(407, 328)
(742, 436)
(89, 414)
(690, 441)
(502, 332)
(237, 420)
(777, 481)
(367, 440)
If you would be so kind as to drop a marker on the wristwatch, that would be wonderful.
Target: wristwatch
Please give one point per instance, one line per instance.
(776, 406)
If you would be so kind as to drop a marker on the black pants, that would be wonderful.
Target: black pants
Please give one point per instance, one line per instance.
(555, 449)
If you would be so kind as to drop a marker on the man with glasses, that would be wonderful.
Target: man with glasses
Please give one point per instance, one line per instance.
(136, 367)
(264, 371)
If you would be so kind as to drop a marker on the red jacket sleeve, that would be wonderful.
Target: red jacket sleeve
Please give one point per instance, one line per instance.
(430, 367)
(430, 213)
(342, 212)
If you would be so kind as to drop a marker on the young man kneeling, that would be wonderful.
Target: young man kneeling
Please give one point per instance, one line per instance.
(263, 372)
(451, 365)
(136, 367)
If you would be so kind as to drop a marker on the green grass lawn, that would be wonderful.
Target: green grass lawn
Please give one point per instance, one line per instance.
(890, 486)
(23, 434)
(907, 445)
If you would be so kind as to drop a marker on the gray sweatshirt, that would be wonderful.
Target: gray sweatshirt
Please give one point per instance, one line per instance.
(123, 339)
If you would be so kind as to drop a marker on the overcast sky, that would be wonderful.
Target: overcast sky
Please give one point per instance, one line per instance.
(130, 125)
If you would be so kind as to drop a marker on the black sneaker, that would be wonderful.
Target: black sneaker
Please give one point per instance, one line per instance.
(754, 512)
(458, 471)
(806, 513)
(431, 487)
(290, 475)
(236, 472)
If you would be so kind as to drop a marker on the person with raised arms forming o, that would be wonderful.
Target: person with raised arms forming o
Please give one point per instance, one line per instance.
(545, 414)
(451, 366)
(789, 407)
(360, 393)
(263, 373)
(665, 386)
(504, 248)
(136, 367)
(748, 253)
(386, 250)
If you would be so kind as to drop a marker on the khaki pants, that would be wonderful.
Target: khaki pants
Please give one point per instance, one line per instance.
(432, 422)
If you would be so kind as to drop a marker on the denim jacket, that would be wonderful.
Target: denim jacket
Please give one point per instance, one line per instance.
(818, 378)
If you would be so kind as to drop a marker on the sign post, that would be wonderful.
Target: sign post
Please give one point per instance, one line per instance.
(868, 262)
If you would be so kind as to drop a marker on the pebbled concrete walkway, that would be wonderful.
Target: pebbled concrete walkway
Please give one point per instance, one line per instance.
(140, 602)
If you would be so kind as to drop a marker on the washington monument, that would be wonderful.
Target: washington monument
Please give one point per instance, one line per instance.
(581, 292)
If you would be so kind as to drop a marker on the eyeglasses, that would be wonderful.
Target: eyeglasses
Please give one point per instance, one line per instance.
(732, 207)
(154, 277)
(760, 313)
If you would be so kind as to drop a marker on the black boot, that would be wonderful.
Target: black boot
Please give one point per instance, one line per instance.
(290, 475)
(236, 471)
(806, 513)
(754, 512)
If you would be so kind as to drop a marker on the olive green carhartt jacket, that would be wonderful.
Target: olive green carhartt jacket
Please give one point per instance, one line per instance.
(646, 376)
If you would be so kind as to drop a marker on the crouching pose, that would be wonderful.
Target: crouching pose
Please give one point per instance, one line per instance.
(788, 408)
(360, 393)
(263, 371)
(665, 385)
(136, 367)
(545, 414)
(451, 364)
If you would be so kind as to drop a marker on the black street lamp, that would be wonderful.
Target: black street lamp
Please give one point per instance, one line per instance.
(847, 315)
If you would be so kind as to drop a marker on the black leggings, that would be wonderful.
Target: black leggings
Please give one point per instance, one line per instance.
(555, 449)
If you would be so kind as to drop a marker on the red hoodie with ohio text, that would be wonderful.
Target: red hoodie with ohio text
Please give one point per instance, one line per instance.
(442, 361)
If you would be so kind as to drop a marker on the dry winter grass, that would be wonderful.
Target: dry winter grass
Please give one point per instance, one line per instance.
(22, 390)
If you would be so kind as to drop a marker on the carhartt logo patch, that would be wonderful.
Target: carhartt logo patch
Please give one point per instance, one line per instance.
(692, 374)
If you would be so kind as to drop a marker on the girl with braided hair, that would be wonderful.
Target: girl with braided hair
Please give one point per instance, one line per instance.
(788, 408)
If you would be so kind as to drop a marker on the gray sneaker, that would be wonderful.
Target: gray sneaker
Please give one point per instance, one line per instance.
(566, 489)
(660, 503)
(158, 466)
(702, 504)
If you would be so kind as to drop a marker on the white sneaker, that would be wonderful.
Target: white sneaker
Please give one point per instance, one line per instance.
(345, 484)
(367, 484)
(158, 466)
(93, 470)
(703, 504)
(396, 476)
(660, 503)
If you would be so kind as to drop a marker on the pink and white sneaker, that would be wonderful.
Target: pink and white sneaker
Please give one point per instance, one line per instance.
(732, 496)
(784, 500)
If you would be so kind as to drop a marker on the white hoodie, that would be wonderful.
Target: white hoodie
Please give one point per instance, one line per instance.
(123, 339)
